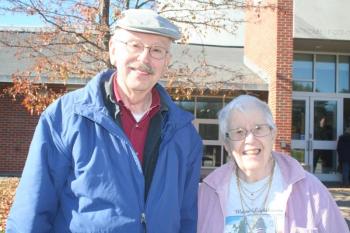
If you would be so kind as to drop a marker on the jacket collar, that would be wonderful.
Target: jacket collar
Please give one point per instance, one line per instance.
(91, 103)
(219, 180)
(291, 171)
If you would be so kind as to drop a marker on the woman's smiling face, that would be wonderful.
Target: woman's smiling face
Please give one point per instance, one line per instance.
(252, 153)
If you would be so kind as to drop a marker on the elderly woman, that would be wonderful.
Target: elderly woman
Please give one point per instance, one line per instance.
(260, 190)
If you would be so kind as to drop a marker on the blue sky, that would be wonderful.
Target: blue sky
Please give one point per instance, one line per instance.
(20, 20)
(10, 19)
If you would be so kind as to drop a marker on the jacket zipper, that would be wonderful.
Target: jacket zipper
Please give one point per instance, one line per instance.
(143, 222)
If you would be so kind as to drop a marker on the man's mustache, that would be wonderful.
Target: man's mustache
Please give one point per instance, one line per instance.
(142, 67)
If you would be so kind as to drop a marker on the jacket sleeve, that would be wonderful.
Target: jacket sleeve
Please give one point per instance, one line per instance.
(36, 201)
(329, 217)
(189, 204)
(202, 200)
(210, 216)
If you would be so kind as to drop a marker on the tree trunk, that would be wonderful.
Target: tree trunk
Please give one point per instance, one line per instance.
(104, 6)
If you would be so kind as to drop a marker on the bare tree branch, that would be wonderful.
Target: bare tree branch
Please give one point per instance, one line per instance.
(75, 40)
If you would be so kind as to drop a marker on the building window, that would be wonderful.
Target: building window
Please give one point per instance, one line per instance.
(212, 156)
(303, 72)
(187, 105)
(209, 131)
(205, 110)
(325, 73)
(344, 74)
(321, 73)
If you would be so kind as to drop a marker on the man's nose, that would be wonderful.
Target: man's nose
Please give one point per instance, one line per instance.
(145, 55)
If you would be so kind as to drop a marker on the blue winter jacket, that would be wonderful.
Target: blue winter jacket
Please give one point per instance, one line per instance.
(83, 175)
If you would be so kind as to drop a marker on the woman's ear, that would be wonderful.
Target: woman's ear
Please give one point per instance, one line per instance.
(274, 134)
(227, 147)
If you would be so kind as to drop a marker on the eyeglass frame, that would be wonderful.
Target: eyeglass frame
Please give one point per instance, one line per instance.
(148, 47)
(227, 134)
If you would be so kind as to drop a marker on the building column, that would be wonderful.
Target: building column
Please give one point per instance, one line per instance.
(268, 51)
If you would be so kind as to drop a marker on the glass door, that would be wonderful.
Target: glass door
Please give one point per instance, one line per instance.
(325, 127)
(316, 124)
(300, 131)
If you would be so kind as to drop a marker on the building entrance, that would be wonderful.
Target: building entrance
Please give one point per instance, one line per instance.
(316, 124)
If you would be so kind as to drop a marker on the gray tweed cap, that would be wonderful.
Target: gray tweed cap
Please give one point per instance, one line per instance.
(147, 21)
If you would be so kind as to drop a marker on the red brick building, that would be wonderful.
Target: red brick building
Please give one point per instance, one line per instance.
(268, 49)
(17, 128)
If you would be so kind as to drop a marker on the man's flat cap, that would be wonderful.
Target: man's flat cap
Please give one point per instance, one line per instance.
(147, 21)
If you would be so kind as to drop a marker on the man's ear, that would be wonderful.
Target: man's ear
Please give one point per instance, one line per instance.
(111, 52)
(168, 59)
(166, 64)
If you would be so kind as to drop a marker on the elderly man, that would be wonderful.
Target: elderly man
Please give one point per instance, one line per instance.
(117, 155)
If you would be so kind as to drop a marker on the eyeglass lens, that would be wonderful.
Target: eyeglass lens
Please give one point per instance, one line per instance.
(155, 51)
(241, 133)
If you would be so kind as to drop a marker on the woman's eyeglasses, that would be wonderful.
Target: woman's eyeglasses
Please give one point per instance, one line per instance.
(240, 133)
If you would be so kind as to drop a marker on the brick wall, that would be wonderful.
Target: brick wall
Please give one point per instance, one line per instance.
(16, 131)
(269, 46)
(281, 98)
(260, 37)
(17, 127)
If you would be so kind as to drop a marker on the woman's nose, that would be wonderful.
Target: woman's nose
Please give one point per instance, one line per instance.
(250, 136)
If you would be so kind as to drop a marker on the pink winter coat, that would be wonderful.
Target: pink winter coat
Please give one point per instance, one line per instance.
(310, 207)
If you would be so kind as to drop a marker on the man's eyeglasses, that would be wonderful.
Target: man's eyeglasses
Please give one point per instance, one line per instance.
(240, 133)
(137, 47)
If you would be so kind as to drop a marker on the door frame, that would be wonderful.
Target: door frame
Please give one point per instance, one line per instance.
(309, 144)
(304, 143)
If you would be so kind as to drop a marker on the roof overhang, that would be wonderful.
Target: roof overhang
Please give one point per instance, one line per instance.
(193, 66)
(317, 45)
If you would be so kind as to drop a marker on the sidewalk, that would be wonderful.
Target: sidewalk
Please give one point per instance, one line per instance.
(342, 197)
